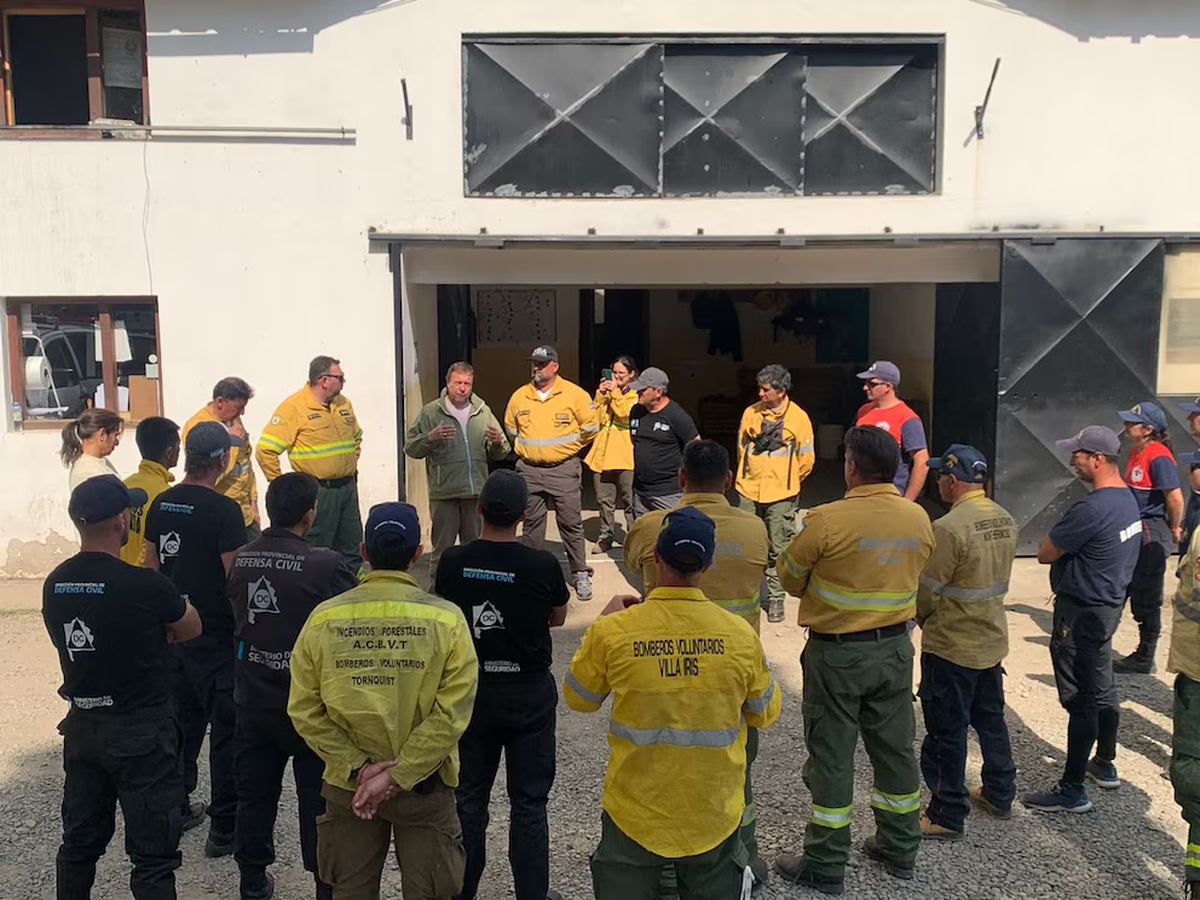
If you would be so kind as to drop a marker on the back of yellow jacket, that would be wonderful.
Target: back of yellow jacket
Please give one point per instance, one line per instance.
(384, 671)
(153, 478)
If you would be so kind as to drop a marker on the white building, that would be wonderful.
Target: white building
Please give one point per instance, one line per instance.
(313, 171)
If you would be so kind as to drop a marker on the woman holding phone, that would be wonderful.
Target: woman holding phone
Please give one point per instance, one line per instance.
(611, 456)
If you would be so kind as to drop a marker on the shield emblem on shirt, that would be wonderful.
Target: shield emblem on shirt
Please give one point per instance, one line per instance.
(1138, 473)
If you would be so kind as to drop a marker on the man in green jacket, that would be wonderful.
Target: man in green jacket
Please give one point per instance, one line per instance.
(456, 434)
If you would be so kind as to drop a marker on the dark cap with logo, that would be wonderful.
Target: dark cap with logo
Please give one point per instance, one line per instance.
(544, 354)
(962, 461)
(1093, 439)
(208, 439)
(882, 370)
(1145, 413)
(504, 496)
(102, 498)
(391, 524)
(687, 540)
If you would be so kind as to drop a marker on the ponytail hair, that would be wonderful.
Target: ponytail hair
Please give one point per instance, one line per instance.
(1165, 439)
(88, 425)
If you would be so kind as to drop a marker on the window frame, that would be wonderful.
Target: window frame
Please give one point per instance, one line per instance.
(90, 10)
(108, 348)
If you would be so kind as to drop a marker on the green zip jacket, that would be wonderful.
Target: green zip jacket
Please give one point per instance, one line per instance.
(456, 468)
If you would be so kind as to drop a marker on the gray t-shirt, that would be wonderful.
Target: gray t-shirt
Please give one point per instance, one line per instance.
(463, 415)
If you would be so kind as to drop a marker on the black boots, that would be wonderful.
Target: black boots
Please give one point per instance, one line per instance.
(1140, 661)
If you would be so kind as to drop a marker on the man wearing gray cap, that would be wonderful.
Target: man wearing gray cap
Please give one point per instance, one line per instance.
(660, 430)
(1091, 552)
(885, 410)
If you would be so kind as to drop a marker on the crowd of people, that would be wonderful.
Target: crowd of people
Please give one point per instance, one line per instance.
(310, 640)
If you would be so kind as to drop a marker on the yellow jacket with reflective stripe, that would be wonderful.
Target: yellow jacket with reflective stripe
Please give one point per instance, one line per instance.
(686, 679)
(612, 451)
(1185, 629)
(384, 671)
(856, 561)
(238, 482)
(153, 478)
(960, 601)
(734, 580)
(323, 441)
(776, 474)
(552, 430)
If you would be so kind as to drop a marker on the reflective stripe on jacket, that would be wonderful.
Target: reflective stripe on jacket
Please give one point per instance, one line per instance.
(153, 478)
(1185, 629)
(960, 601)
(456, 468)
(734, 580)
(856, 561)
(773, 475)
(323, 441)
(686, 680)
(612, 451)
(384, 671)
(238, 482)
(552, 430)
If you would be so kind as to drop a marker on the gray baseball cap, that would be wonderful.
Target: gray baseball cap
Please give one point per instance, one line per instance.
(884, 371)
(651, 377)
(1093, 439)
(208, 439)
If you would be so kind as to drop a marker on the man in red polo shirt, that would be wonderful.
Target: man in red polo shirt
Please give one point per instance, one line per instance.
(885, 410)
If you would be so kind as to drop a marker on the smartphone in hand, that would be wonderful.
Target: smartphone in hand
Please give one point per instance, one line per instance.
(606, 374)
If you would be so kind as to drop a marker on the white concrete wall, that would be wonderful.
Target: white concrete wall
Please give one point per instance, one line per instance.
(257, 249)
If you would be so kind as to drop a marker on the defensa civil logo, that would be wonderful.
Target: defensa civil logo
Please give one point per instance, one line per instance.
(168, 546)
(486, 618)
(262, 599)
(79, 638)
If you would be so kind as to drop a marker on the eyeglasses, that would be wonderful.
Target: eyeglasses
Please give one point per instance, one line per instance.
(871, 385)
(341, 378)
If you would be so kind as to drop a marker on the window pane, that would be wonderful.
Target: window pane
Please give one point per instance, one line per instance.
(136, 339)
(60, 344)
(121, 42)
(48, 55)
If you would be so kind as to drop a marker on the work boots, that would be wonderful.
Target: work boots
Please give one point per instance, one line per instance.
(1140, 661)
(775, 610)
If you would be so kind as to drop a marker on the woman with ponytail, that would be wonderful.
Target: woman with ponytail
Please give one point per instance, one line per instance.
(87, 443)
(1153, 474)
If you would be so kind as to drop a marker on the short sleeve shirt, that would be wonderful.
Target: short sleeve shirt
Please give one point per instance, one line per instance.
(190, 527)
(658, 442)
(506, 592)
(107, 620)
(1100, 537)
(1150, 471)
(905, 426)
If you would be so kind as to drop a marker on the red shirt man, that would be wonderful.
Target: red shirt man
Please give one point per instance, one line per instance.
(885, 410)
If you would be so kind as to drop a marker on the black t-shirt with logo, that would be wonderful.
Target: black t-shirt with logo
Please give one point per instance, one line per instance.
(506, 591)
(658, 442)
(108, 619)
(274, 583)
(190, 527)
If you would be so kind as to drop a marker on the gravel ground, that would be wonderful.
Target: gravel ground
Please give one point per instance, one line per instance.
(1129, 847)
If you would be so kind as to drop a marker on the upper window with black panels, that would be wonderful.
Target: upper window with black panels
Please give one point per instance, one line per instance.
(627, 118)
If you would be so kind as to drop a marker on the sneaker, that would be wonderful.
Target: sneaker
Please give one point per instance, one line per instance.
(194, 812)
(931, 830)
(893, 868)
(1136, 663)
(981, 801)
(1060, 798)
(257, 885)
(775, 610)
(1103, 774)
(218, 845)
(791, 867)
(583, 586)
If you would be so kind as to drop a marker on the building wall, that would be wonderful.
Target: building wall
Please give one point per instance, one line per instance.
(257, 247)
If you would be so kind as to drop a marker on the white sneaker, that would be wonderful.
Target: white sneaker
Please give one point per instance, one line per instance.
(583, 586)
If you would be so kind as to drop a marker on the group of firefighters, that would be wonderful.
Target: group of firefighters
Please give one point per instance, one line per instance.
(311, 641)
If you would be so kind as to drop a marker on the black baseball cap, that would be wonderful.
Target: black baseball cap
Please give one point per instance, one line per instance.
(504, 497)
(398, 520)
(544, 354)
(208, 439)
(687, 539)
(102, 498)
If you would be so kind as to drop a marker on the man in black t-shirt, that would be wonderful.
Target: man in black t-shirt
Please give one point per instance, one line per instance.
(110, 623)
(274, 584)
(511, 595)
(660, 430)
(192, 534)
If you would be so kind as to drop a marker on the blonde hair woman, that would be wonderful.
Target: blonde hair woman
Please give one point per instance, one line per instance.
(87, 443)
(611, 456)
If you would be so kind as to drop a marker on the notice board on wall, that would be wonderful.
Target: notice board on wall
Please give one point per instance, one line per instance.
(516, 316)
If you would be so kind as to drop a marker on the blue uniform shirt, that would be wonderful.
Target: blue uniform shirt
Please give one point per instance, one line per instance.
(1100, 537)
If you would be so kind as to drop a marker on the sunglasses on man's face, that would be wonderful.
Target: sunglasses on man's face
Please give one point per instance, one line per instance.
(871, 385)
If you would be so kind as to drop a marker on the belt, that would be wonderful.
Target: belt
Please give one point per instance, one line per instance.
(872, 634)
(337, 482)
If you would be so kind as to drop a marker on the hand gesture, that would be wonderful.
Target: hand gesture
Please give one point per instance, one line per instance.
(492, 435)
(236, 430)
(607, 385)
(443, 432)
(619, 603)
(375, 785)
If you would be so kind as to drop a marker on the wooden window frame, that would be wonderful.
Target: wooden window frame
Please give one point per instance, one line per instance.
(90, 9)
(108, 348)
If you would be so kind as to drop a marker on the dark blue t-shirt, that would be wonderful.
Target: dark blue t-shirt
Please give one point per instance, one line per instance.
(1164, 475)
(1100, 537)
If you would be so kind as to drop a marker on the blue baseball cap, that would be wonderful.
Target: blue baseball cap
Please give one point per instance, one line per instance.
(884, 371)
(687, 539)
(102, 498)
(1191, 408)
(398, 520)
(1145, 413)
(962, 461)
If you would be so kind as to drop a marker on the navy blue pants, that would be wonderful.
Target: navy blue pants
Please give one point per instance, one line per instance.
(954, 699)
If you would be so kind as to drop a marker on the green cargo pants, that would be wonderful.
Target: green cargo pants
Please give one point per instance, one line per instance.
(1185, 767)
(850, 687)
(780, 519)
(339, 524)
(622, 869)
